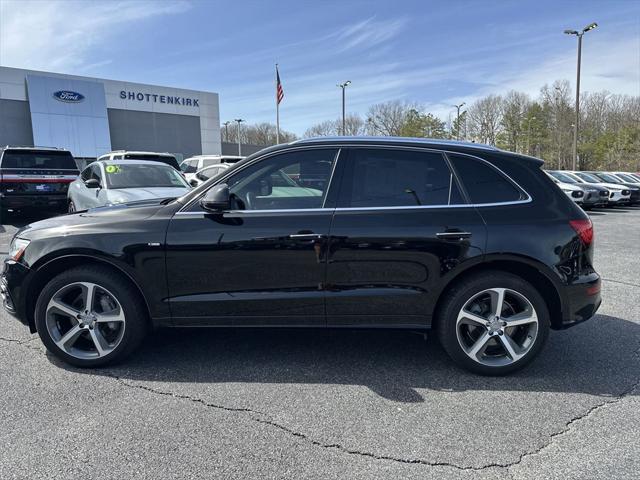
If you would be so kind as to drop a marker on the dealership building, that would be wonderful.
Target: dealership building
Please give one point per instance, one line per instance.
(92, 116)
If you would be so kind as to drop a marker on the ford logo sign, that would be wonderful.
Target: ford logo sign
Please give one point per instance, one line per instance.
(68, 96)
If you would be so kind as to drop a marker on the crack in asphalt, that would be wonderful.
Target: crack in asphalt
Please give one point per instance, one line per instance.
(258, 416)
(621, 282)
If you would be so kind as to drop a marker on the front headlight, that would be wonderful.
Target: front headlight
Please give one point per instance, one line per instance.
(17, 248)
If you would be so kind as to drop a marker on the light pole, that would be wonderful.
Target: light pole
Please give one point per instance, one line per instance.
(458, 107)
(239, 121)
(591, 26)
(226, 130)
(343, 86)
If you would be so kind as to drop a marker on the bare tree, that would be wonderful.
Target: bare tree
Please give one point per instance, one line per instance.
(484, 119)
(514, 111)
(261, 134)
(388, 118)
(354, 125)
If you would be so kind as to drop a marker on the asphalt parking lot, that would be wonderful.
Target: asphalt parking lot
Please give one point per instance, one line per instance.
(315, 404)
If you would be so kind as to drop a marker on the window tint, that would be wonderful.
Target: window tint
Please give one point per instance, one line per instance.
(188, 166)
(393, 177)
(292, 180)
(35, 159)
(483, 183)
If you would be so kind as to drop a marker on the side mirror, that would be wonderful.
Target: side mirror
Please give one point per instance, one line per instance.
(193, 183)
(92, 183)
(216, 199)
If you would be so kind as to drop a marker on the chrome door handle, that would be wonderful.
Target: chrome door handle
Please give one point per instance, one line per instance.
(307, 236)
(453, 235)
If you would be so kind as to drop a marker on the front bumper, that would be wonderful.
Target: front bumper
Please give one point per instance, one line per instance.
(12, 288)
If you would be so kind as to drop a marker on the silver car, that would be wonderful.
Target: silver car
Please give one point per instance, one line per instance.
(109, 182)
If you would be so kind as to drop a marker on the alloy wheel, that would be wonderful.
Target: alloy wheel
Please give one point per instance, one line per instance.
(497, 327)
(85, 320)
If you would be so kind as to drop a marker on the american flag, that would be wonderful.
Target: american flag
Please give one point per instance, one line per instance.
(279, 90)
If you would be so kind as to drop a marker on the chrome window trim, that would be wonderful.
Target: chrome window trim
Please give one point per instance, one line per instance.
(360, 209)
(339, 147)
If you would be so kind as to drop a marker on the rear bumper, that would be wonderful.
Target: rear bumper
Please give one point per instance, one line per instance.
(582, 300)
(32, 201)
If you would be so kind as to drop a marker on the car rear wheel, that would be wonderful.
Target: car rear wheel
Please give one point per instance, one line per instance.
(90, 317)
(493, 324)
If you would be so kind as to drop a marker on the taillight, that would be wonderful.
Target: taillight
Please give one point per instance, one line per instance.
(584, 229)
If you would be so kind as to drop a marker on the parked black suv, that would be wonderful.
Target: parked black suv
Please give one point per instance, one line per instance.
(471, 241)
(35, 177)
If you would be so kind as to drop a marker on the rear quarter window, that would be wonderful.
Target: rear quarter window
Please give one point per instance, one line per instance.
(483, 182)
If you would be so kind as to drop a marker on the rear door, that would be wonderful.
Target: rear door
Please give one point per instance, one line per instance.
(36, 173)
(400, 226)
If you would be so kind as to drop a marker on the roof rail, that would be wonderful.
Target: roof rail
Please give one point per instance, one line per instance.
(381, 139)
(42, 147)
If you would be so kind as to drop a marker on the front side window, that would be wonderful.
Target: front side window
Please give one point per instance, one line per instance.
(188, 166)
(207, 162)
(86, 173)
(484, 183)
(294, 180)
(396, 178)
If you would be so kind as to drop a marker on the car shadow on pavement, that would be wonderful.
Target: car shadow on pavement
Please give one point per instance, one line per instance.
(599, 357)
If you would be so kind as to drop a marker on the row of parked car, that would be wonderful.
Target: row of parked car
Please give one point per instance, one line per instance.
(49, 178)
(598, 189)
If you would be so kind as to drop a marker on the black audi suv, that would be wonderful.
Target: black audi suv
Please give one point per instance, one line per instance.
(473, 242)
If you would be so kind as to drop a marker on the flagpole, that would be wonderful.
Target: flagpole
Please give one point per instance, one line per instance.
(277, 110)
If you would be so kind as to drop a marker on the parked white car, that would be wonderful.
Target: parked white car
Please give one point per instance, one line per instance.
(206, 173)
(192, 165)
(104, 183)
(618, 194)
(161, 157)
(574, 192)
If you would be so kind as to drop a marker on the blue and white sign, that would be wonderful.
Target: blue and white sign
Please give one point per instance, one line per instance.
(69, 113)
(68, 96)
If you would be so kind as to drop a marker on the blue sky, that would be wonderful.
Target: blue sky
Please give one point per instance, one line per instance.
(433, 53)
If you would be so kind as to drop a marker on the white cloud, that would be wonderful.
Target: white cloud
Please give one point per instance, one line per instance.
(56, 35)
(369, 33)
(611, 64)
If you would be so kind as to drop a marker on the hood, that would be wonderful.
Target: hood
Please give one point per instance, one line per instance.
(612, 186)
(93, 219)
(126, 195)
(569, 186)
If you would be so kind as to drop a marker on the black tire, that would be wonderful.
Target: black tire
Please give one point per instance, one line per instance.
(72, 207)
(132, 305)
(465, 290)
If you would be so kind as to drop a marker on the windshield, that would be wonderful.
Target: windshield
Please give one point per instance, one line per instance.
(627, 178)
(36, 159)
(588, 178)
(563, 177)
(134, 175)
(608, 178)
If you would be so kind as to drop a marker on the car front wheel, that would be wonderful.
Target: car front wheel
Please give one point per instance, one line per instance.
(89, 316)
(493, 324)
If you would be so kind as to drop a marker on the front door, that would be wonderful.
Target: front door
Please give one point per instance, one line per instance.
(263, 261)
(401, 224)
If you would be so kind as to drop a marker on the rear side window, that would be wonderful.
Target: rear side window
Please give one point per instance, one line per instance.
(483, 183)
(35, 159)
(397, 178)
